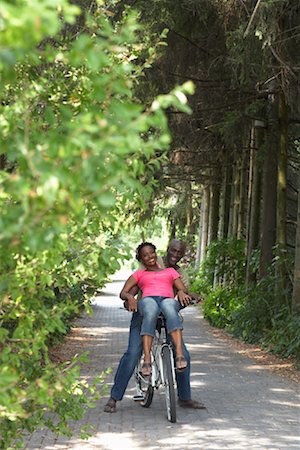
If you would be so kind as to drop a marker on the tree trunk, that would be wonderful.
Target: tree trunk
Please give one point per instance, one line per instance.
(2, 161)
(231, 201)
(236, 199)
(281, 273)
(282, 172)
(225, 201)
(241, 228)
(254, 194)
(228, 199)
(214, 218)
(250, 181)
(214, 212)
(296, 285)
(205, 219)
(268, 234)
(173, 227)
(199, 242)
(189, 212)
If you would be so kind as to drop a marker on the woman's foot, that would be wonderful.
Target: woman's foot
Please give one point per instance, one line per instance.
(146, 369)
(180, 363)
(111, 406)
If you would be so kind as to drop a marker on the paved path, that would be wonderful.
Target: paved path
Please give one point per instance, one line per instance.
(248, 407)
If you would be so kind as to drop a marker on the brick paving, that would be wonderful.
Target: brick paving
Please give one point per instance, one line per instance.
(248, 407)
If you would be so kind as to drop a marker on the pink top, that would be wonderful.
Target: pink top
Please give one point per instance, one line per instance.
(156, 283)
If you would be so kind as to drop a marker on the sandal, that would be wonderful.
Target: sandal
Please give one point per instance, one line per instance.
(181, 363)
(111, 406)
(146, 369)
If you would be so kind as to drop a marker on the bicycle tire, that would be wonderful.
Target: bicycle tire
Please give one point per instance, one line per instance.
(169, 384)
(148, 397)
(145, 387)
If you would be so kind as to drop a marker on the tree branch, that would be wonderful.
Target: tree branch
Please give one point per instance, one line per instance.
(190, 41)
(251, 18)
(200, 80)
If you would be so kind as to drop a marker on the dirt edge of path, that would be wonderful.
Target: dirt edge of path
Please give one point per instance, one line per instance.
(284, 367)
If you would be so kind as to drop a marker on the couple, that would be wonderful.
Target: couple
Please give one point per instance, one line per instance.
(146, 254)
(157, 285)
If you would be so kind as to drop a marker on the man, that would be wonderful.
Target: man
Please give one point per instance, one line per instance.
(175, 252)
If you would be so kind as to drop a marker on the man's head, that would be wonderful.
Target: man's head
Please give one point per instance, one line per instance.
(175, 252)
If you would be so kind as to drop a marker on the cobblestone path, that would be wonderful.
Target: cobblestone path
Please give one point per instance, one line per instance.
(248, 407)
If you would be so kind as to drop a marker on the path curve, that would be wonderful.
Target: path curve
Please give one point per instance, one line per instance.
(248, 407)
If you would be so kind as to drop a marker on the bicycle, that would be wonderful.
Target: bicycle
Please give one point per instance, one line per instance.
(163, 372)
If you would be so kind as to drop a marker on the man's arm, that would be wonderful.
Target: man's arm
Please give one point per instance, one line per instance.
(183, 297)
(133, 291)
(185, 279)
(126, 294)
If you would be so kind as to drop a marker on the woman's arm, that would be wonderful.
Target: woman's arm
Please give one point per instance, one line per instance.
(183, 297)
(126, 296)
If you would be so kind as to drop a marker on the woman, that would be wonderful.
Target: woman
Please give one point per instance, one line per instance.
(157, 286)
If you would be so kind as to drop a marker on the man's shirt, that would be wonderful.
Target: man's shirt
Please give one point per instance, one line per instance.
(183, 275)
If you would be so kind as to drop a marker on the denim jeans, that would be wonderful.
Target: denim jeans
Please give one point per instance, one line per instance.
(150, 307)
(130, 358)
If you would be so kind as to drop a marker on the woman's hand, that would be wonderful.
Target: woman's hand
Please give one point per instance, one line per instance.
(184, 298)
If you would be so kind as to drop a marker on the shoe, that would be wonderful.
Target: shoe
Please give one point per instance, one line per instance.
(146, 369)
(111, 406)
(192, 404)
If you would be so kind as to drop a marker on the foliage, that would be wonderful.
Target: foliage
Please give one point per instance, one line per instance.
(220, 305)
(77, 149)
(249, 312)
(284, 336)
(225, 260)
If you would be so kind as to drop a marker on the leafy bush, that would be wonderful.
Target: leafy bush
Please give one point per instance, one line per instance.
(283, 337)
(253, 316)
(256, 313)
(220, 306)
(75, 149)
(224, 263)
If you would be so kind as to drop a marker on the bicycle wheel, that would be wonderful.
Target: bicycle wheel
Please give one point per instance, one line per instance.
(169, 384)
(144, 388)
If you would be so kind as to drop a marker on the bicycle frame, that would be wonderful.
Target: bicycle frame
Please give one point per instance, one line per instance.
(159, 342)
(163, 372)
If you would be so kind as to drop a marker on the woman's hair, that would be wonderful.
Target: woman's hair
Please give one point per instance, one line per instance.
(141, 246)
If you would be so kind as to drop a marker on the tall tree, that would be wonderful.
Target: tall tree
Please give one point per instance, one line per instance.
(269, 188)
(296, 288)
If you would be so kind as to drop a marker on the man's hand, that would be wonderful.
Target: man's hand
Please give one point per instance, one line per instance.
(183, 298)
(131, 303)
(195, 297)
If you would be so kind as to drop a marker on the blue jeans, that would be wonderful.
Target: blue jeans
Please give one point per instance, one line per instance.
(132, 355)
(150, 307)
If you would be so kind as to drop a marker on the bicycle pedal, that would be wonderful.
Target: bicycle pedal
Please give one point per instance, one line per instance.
(138, 398)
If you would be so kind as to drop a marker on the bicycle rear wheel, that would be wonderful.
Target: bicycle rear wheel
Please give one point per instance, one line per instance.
(167, 358)
(144, 388)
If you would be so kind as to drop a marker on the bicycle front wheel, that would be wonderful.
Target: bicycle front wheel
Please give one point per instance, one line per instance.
(148, 396)
(144, 388)
(169, 383)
